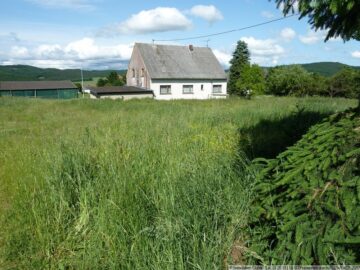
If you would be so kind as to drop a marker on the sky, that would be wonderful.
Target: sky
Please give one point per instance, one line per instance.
(99, 34)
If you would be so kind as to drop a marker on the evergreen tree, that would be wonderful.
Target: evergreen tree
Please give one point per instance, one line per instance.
(241, 57)
(340, 17)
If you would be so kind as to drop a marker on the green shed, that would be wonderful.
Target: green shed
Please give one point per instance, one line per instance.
(39, 89)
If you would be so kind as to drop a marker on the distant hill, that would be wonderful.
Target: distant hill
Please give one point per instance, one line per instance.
(326, 68)
(30, 73)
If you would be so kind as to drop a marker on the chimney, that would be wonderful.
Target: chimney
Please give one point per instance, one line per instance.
(191, 48)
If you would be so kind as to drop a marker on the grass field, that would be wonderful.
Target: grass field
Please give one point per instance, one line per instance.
(102, 184)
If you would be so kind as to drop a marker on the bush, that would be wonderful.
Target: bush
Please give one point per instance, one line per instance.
(308, 199)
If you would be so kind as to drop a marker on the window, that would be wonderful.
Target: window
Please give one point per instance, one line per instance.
(202, 87)
(165, 89)
(217, 88)
(188, 89)
(142, 72)
(133, 73)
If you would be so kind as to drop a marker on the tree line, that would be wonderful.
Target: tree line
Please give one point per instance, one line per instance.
(247, 79)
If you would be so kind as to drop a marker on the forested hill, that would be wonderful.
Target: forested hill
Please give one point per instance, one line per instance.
(30, 73)
(326, 68)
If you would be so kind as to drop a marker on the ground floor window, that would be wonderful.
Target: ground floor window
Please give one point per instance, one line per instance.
(165, 89)
(188, 89)
(217, 88)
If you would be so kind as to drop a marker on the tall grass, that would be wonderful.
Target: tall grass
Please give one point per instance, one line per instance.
(128, 185)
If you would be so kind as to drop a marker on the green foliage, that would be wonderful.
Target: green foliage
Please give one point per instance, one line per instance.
(240, 59)
(101, 82)
(78, 85)
(345, 83)
(340, 17)
(288, 80)
(252, 78)
(308, 199)
(113, 79)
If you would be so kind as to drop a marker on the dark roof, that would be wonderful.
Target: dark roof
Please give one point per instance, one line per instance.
(36, 85)
(119, 90)
(180, 62)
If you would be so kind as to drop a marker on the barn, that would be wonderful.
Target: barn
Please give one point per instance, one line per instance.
(39, 89)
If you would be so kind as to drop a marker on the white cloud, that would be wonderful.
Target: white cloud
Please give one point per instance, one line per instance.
(17, 51)
(223, 57)
(84, 52)
(209, 13)
(312, 37)
(66, 4)
(267, 14)
(264, 51)
(160, 19)
(287, 34)
(355, 54)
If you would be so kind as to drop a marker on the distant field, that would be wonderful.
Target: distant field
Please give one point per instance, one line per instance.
(91, 82)
(142, 184)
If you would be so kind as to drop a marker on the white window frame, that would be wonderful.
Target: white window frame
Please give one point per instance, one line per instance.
(189, 86)
(219, 86)
(168, 87)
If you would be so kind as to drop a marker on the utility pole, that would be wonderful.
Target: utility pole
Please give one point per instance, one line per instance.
(82, 82)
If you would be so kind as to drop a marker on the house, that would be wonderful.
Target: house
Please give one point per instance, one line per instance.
(120, 92)
(39, 89)
(177, 72)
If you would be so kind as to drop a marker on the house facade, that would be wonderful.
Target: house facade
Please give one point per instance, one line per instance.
(177, 72)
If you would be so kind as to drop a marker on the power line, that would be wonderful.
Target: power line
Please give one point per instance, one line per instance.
(226, 32)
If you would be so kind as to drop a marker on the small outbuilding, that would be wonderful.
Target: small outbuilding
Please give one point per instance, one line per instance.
(120, 92)
(39, 89)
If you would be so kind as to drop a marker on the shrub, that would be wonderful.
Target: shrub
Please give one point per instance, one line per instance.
(308, 199)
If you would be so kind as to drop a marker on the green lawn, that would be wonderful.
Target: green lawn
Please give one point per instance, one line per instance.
(142, 184)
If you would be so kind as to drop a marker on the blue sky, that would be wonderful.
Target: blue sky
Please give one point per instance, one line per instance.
(99, 34)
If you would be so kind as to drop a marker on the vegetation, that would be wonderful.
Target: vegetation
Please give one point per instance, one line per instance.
(30, 73)
(251, 81)
(290, 80)
(240, 59)
(140, 184)
(113, 79)
(340, 18)
(307, 207)
(295, 80)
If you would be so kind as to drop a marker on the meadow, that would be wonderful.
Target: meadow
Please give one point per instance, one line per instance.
(141, 184)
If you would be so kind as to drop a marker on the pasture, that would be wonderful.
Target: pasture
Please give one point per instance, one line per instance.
(141, 184)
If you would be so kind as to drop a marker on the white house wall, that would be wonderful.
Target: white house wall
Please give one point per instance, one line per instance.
(177, 89)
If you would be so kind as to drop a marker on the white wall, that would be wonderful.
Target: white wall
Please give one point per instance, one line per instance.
(177, 89)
